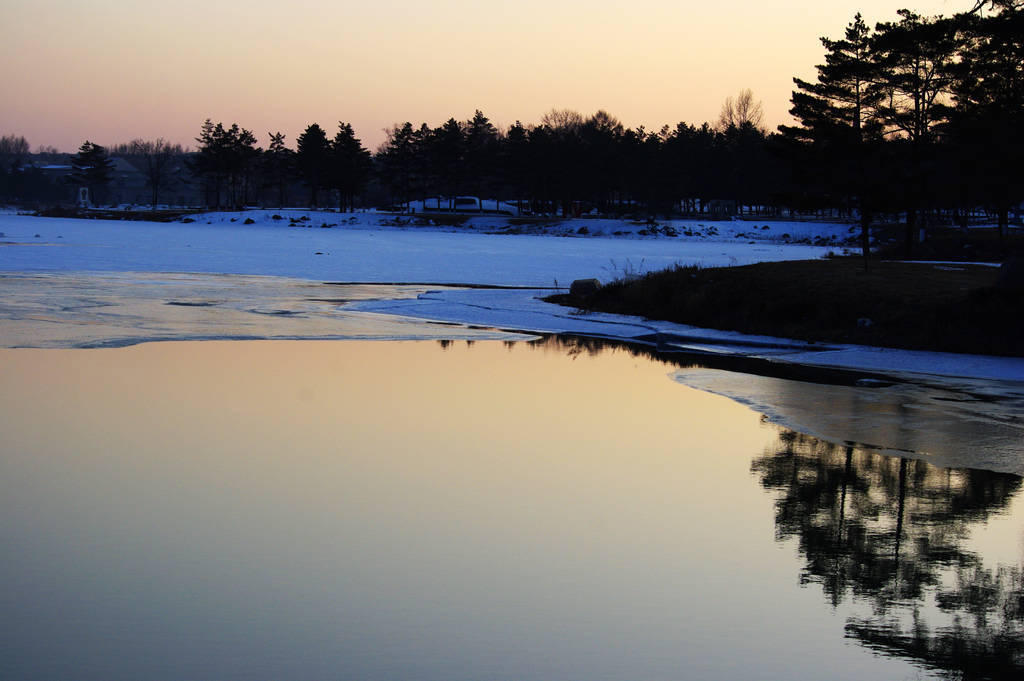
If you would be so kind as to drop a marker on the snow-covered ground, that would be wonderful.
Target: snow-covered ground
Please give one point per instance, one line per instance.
(373, 247)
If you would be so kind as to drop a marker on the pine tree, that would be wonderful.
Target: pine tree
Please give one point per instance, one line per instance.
(226, 162)
(915, 58)
(448, 153)
(313, 158)
(278, 167)
(397, 158)
(515, 156)
(481, 155)
(92, 168)
(986, 126)
(350, 165)
(838, 128)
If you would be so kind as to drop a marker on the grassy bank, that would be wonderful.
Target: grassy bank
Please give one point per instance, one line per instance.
(951, 308)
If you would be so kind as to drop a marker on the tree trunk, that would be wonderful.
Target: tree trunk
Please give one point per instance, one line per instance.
(865, 234)
(911, 232)
(900, 512)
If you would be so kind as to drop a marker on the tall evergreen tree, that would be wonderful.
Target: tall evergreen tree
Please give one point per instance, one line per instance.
(425, 171)
(278, 167)
(448, 154)
(515, 156)
(481, 155)
(397, 160)
(226, 162)
(313, 158)
(350, 165)
(987, 123)
(92, 168)
(207, 164)
(915, 58)
(838, 128)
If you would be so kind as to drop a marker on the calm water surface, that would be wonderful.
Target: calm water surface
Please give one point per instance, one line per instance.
(469, 511)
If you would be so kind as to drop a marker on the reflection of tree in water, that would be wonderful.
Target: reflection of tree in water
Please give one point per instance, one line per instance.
(891, 532)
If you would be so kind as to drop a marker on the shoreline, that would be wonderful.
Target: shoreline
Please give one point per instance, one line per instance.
(788, 382)
(122, 308)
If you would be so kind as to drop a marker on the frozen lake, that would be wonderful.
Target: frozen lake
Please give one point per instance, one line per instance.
(466, 510)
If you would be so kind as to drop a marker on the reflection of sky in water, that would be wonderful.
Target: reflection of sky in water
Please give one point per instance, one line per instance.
(309, 510)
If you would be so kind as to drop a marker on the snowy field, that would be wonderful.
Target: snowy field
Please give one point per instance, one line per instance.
(371, 247)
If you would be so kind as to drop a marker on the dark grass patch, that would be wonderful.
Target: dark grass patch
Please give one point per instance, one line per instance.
(949, 243)
(900, 305)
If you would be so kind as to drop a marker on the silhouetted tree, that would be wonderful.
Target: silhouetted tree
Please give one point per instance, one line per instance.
(92, 168)
(741, 111)
(986, 126)
(838, 130)
(313, 158)
(481, 142)
(515, 156)
(13, 150)
(156, 159)
(226, 162)
(350, 165)
(397, 159)
(278, 167)
(914, 58)
(446, 151)
(603, 143)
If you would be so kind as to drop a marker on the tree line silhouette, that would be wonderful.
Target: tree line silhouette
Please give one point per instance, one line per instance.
(922, 117)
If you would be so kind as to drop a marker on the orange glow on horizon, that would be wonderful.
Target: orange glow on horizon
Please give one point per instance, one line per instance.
(112, 70)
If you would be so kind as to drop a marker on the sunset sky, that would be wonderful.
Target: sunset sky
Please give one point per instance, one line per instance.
(114, 70)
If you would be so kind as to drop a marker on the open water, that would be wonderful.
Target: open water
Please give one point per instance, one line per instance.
(462, 511)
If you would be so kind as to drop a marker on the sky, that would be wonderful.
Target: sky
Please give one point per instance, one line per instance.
(115, 70)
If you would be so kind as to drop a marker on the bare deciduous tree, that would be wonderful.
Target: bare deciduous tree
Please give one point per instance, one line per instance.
(155, 161)
(743, 109)
(563, 120)
(12, 149)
